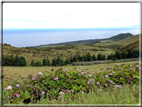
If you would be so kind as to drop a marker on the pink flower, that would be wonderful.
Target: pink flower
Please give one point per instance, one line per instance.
(56, 78)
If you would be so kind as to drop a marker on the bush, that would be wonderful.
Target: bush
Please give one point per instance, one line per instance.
(54, 84)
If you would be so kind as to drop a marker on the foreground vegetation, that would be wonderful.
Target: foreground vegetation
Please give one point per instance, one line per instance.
(77, 86)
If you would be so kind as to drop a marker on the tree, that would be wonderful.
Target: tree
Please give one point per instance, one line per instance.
(17, 60)
(7, 60)
(48, 62)
(3, 60)
(117, 55)
(44, 62)
(54, 62)
(94, 58)
(75, 58)
(38, 63)
(22, 61)
(89, 58)
(130, 54)
(32, 63)
(67, 61)
(123, 54)
(12, 59)
(99, 57)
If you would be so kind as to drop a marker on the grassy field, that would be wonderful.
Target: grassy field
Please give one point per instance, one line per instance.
(15, 73)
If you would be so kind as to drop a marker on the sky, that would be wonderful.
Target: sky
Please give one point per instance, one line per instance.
(69, 15)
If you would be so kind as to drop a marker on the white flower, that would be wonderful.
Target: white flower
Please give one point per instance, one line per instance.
(56, 78)
(42, 92)
(132, 62)
(82, 92)
(9, 88)
(82, 73)
(77, 69)
(17, 85)
(113, 72)
(89, 75)
(106, 76)
(39, 73)
(110, 74)
(61, 93)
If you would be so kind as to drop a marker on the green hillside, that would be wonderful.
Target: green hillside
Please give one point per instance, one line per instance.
(119, 43)
(134, 45)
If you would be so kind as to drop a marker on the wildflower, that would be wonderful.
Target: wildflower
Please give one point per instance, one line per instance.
(110, 74)
(42, 92)
(119, 68)
(72, 90)
(100, 89)
(93, 79)
(90, 79)
(82, 73)
(61, 93)
(56, 78)
(137, 66)
(17, 95)
(88, 82)
(89, 75)
(117, 86)
(82, 92)
(60, 68)
(130, 65)
(111, 81)
(105, 84)
(66, 70)
(107, 68)
(9, 88)
(98, 83)
(77, 69)
(39, 74)
(17, 85)
(52, 69)
(113, 72)
(117, 64)
(28, 85)
(132, 62)
(106, 76)
(33, 78)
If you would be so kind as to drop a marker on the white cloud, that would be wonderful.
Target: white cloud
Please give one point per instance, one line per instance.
(70, 15)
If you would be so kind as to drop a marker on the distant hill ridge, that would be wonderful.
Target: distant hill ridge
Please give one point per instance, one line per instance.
(113, 38)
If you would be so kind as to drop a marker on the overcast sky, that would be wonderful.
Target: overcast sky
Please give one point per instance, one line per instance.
(70, 15)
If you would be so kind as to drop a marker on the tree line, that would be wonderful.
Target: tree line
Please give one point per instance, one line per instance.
(16, 61)
(10, 60)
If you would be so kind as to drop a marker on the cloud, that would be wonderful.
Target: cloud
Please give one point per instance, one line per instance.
(70, 15)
